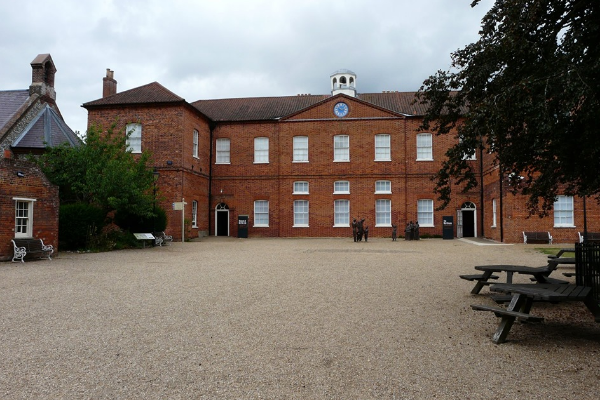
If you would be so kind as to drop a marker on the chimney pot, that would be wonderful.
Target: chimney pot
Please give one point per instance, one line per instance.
(109, 84)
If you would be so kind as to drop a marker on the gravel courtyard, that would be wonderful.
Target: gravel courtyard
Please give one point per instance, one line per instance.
(227, 318)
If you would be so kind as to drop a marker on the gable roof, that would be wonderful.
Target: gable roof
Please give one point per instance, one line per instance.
(47, 128)
(151, 93)
(10, 102)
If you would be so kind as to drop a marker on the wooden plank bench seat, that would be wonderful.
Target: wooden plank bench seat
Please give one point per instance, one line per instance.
(502, 312)
(591, 237)
(31, 247)
(478, 277)
(537, 237)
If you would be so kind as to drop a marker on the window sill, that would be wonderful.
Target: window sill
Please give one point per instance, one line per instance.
(342, 193)
(299, 162)
(260, 162)
(383, 226)
(424, 159)
(564, 226)
(341, 160)
(300, 226)
(390, 160)
(342, 226)
(260, 226)
(383, 192)
(426, 226)
(222, 163)
(300, 193)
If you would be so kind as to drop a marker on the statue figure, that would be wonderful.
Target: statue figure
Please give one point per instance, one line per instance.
(416, 233)
(394, 232)
(360, 230)
(408, 231)
(366, 233)
(354, 229)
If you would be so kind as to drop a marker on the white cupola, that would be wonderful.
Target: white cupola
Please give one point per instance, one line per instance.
(343, 81)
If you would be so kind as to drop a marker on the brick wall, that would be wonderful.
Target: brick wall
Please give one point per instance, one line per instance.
(167, 133)
(32, 185)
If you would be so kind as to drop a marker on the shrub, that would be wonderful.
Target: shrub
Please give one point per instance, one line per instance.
(136, 223)
(79, 222)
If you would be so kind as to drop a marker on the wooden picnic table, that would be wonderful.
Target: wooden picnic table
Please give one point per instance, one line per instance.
(540, 274)
(523, 296)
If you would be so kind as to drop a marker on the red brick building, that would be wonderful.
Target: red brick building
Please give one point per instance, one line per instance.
(306, 165)
(30, 121)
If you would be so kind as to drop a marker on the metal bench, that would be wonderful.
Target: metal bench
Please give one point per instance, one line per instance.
(591, 237)
(537, 237)
(31, 247)
(161, 238)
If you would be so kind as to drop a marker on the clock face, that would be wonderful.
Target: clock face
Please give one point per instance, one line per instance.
(340, 109)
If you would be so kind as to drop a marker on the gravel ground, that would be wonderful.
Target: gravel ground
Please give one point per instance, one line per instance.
(226, 318)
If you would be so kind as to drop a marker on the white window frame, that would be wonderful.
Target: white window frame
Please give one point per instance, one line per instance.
(383, 212)
(133, 132)
(261, 150)
(300, 187)
(261, 213)
(301, 213)
(300, 150)
(470, 157)
(223, 151)
(383, 187)
(341, 148)
(194, 214)
(494, 215)
(383, 147)
(341, 213)
(425, 214)
(424, 147)
(341, 187)
(195, 141)
(23, 217)
(563, 212)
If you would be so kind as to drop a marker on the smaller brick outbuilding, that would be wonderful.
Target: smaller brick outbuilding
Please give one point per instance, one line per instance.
(29, 205)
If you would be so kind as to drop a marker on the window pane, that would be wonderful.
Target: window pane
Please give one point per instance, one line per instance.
(261, 213)
(195, 149)
(134, 141)
(301, 213)
(425, 212)
(300, 187)
(383, 187)
(424, 145)
(341, 187)
(382, 147)
(341, 148)
(341, 213)
(23, 222)
(383, 212)
(563, 211)
(261, 150)
(300, 148)
(194, 213)
(223, 151)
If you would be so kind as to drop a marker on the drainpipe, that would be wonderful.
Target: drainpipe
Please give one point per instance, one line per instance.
(501, 171)
(481, 194)
(212, 126)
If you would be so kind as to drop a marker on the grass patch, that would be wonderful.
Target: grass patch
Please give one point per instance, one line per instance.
(553, 251)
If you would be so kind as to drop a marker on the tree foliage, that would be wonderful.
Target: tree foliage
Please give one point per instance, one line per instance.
(101, 173)
(527, 92)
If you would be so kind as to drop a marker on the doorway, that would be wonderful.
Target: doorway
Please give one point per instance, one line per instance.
(466, 217)
(222, 220)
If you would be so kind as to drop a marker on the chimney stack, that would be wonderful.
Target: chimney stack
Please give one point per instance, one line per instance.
(109, 84)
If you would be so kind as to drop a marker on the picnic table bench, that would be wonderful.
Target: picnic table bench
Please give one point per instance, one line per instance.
(523, 296)
(539, 274)
(30, 246)
(537, 237)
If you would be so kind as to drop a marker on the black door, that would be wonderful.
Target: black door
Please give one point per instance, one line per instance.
(222, 223)
(468, 223)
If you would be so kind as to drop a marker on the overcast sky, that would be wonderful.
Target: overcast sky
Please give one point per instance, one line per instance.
(207, 49)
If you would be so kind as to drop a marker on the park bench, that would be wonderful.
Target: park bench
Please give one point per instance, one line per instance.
(537, 237)
(591, 237)
(31, 247)
(161, 238)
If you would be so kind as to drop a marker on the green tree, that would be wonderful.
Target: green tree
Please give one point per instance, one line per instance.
(527, 92)
(101, 173)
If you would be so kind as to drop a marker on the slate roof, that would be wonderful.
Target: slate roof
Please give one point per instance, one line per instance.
(255, 108)
(10, 102)
(46, 129)
(151, 93)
